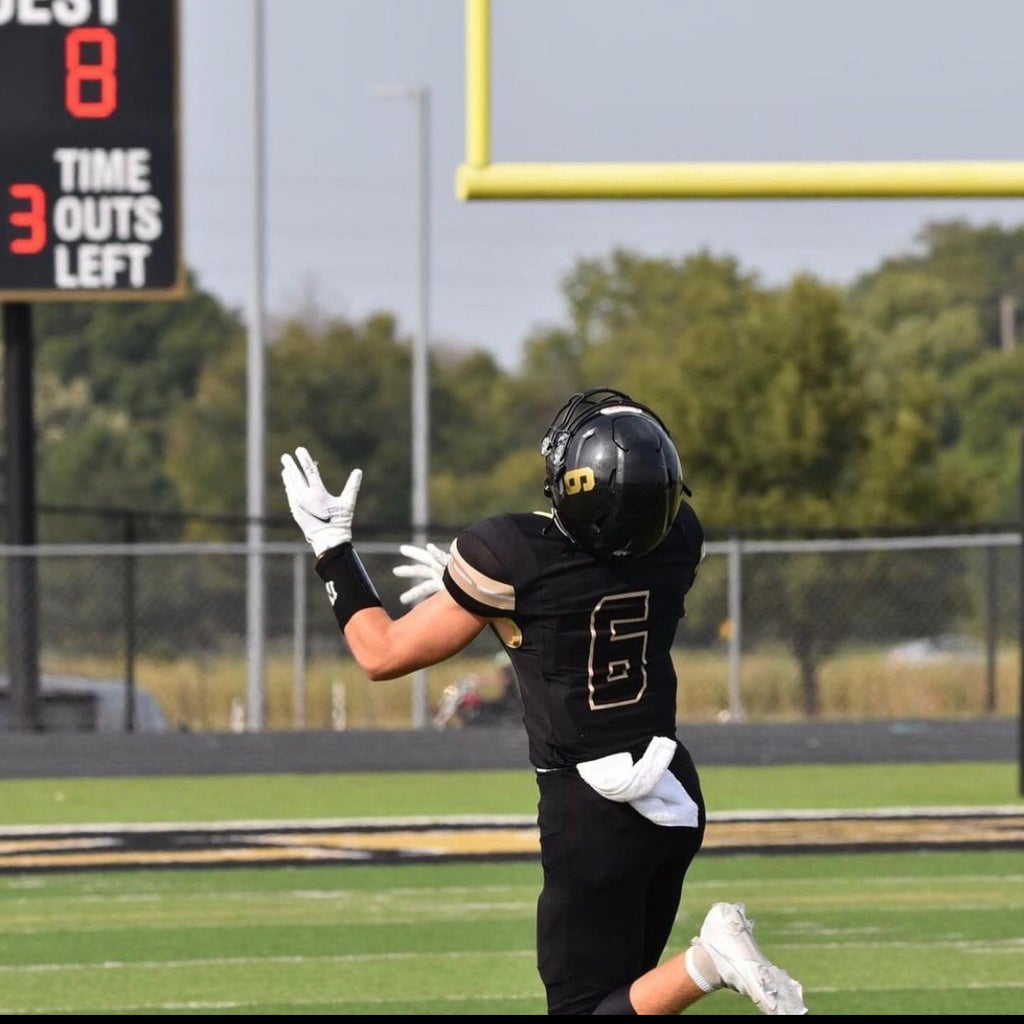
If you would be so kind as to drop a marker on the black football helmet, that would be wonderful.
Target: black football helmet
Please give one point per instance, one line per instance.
(612, 473)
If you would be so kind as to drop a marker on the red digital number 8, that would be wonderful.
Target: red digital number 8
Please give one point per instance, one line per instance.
(104, 72)
(33, 219)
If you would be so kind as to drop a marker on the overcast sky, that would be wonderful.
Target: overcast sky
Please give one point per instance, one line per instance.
(572, 80)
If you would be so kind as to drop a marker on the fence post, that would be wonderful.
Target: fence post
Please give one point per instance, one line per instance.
(339, 706)
(736, 713)
(130, 535)
(991, 629)
(299, 638)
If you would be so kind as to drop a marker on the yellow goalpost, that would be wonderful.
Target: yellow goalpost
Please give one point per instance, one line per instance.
(478, 178)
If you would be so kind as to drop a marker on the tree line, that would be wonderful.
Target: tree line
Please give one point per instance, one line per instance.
(893, 403)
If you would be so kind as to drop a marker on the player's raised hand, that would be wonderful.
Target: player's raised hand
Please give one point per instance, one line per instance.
(324, 518)
(427, 565)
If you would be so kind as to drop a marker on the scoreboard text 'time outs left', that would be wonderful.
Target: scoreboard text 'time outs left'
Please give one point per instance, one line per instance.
(89, 150)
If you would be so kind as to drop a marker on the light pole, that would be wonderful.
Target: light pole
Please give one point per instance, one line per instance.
(256, 399)
(420, 382)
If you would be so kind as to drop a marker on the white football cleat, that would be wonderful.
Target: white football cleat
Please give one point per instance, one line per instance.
(728, 936)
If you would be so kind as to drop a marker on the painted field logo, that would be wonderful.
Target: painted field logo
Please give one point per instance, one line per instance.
(40, 848)
(577, 480)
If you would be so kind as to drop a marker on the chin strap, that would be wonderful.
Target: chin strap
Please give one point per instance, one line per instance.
(561, 529)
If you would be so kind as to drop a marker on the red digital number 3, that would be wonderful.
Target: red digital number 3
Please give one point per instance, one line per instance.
(103, 72)
(33, 219)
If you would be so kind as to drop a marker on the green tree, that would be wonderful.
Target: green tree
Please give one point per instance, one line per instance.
(484, 441)
(975, 266)
(781, 424)
(340, 389)
(107, 377)
(141, 357)
(990, 393)
(938, 312)
(92, 456)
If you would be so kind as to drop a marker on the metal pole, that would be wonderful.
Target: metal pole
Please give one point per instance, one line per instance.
(991, 699)
(129, 626)
(420, 396)
(420, 358)
(420, 383)
(256, 392)
(299, 563)
(735, 630)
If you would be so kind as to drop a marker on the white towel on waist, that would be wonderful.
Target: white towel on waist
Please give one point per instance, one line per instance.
(647, 785)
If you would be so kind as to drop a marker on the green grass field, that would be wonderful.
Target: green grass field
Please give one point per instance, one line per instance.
(919, 932)
(271, 797)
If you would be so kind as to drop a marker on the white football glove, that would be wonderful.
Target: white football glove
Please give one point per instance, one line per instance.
(324, 518)
(428, 564)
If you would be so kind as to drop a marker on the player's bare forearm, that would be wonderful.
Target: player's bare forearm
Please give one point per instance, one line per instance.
(434, 630)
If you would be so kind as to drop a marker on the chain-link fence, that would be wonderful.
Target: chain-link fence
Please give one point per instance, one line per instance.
(775, 630)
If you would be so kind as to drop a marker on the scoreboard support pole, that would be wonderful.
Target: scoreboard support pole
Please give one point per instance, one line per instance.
(22, 588)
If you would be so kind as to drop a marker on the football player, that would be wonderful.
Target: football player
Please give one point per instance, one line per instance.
(586, 597)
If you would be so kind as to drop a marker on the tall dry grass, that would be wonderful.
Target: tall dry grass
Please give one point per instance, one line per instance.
(209, 693)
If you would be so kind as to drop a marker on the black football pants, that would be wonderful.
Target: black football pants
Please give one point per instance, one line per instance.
(612, 886)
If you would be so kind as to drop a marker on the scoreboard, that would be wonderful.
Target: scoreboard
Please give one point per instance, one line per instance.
(89, 150)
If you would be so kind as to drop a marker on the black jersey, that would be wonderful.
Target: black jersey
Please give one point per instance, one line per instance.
(590, 639)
